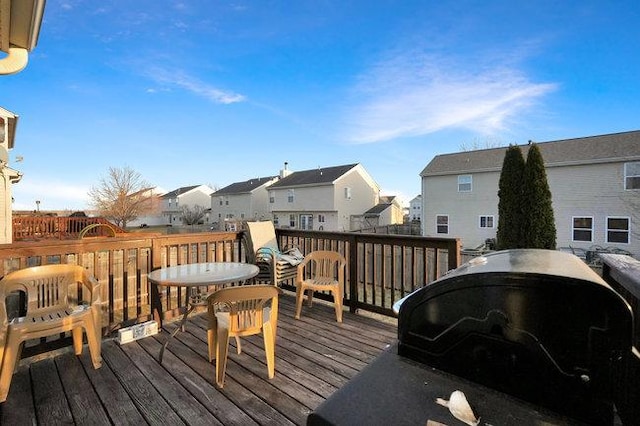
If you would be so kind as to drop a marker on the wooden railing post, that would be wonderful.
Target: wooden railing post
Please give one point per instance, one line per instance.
(352, 245)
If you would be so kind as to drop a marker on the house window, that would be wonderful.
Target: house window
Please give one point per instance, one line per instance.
(292, 220)
(275, 220)
(486, 221)
(272, 197)
(465, 183)
(221, 199)
(618, 229)
(226, 201)
(347, 193)
(442, 224)
(321, 218)
(290, 196)
(632, 175)
(306, 222)
(582, 229)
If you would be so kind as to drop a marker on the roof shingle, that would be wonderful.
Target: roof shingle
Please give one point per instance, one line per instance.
(317, 176)
(592, 149)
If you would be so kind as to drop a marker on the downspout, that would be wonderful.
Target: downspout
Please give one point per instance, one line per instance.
(15, 61)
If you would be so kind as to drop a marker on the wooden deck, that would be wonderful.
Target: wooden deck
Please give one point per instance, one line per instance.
(314, 357)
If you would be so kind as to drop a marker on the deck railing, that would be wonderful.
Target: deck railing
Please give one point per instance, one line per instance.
(35, 228)
(381, 268)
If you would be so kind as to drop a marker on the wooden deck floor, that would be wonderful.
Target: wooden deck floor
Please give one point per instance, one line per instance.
(314, 357)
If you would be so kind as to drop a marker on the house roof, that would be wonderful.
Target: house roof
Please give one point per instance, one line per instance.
(244, 187)
(615, 147)
(20, 22)
(179, 191)
(377, 209)
(319, 176)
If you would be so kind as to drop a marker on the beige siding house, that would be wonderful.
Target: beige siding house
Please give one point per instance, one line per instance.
(248, 200)
(594, 181)
(388, 211)
(322, 198)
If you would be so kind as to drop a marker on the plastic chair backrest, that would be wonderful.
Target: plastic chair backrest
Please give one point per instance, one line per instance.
(245, 305)
(47, 288)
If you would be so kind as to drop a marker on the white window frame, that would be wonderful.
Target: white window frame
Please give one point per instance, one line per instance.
(487, 218)
(439, 224)
(320, 218)
(291, 195)
(347, 193)
(464, 180)
(619, 231)
(292, 221)
(272, 197)
(629, 176)
(581, 229)
(306, 222)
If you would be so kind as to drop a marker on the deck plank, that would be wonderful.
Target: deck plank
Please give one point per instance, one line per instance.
(83, 400)
(48, 395)
(114, 397)
(315, 356)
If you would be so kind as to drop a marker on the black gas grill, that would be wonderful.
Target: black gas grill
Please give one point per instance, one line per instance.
(531, 336)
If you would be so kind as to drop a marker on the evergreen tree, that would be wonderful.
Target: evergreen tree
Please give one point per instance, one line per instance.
(510, 192)
(539, 222)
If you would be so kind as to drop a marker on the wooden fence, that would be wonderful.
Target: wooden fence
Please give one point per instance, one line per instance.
(381, 268)
(37, 228)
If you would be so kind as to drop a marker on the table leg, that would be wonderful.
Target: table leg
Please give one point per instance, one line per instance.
(156, 304)
(179, 328)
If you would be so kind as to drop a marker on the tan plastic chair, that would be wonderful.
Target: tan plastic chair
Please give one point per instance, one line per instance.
(244, 313)
(321, 271)
(51, 309)
(262, 235)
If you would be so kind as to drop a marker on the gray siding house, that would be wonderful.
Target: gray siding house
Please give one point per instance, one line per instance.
(594, 181)
(247, 200)
(186, 196)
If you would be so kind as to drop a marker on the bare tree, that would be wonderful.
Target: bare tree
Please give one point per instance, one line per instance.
(477, 144)
(193, 215)
(123, 196)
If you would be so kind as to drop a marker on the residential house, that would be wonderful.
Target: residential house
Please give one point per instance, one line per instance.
(415, 209)
(150, 203)
(326, 198)
(388, 211)
(594, 182)
(8, 176)
(187, 196)
(247, 200)
(19, 29)
(20, 22)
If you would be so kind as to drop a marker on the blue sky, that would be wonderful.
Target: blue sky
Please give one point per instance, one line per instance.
(215, 92)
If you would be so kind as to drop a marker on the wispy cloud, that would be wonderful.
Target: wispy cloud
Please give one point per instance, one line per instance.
(414, 94)
(51, 194)
(181, 80)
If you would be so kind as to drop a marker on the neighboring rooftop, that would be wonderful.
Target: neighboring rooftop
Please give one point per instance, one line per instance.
(592, 149)
(244, 187)
(179, 191)
(320, 175)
